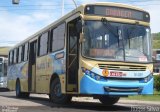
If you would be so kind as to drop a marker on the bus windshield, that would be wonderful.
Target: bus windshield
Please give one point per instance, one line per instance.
(116, 42)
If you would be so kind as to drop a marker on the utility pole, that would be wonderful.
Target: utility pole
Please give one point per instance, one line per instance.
(62, 13)
(74, 3)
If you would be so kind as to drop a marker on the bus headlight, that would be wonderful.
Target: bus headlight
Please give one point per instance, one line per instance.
(98, 77)
(91, 74)
(87, 72)
(146, 79)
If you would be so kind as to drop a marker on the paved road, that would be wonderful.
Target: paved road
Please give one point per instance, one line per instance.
(40, 103)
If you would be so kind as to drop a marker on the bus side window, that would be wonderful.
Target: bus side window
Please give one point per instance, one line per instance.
(22, 53)
(19, 56)
(5, 68)
(12, 56)
(43, 44)
(9, 58)
(15, 57)
(26, 52)
(57, 38)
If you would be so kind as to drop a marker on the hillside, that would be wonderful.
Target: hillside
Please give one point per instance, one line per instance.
(156, 40)
(4, 50)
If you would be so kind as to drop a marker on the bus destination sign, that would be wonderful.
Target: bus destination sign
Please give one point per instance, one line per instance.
(117, 12)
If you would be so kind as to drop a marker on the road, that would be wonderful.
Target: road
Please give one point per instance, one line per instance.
(40, 103)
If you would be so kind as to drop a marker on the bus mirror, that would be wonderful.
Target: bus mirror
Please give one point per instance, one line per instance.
(15, 1)
(79, 26)
(81, 39)
(153, 58)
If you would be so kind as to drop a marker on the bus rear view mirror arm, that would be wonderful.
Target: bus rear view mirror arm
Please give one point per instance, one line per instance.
(81, 39)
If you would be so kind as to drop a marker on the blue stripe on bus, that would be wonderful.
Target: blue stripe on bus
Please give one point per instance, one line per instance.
(92, 86)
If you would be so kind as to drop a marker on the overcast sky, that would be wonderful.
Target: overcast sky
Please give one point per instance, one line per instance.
(17, 22)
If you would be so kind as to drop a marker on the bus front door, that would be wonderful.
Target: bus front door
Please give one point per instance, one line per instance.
(32, 66)
(72, 58)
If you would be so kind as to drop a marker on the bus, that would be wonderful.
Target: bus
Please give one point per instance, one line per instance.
(102, 50)
(3, 72)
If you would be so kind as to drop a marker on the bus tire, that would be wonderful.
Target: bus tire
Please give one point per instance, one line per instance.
(55, 93)
(108, 100)
(20, 94)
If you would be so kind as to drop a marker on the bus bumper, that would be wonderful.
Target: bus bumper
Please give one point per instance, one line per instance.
(89, 85)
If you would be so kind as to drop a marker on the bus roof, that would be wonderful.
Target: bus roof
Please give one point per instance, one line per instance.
(116, 5)
(79, 9)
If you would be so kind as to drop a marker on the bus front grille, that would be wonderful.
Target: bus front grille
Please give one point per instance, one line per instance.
(122, 67)
(123, 89)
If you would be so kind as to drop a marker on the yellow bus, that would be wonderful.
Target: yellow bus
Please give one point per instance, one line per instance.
(101, 50)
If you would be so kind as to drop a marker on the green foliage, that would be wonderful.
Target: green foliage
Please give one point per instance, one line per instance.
(156, 36)
(156, 40)
(154, 97)
(157, 82)
(156, 44)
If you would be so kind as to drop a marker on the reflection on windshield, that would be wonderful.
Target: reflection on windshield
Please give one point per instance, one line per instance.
(131, 44)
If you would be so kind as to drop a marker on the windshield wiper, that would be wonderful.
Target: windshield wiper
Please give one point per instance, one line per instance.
(109, 27)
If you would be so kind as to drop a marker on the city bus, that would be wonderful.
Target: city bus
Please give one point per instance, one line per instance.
(101, 50)
(3, 72)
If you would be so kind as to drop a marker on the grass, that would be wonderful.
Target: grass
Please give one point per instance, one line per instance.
(156, 44)
(155, 97)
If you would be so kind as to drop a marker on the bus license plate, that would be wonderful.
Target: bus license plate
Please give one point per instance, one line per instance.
(117, 74)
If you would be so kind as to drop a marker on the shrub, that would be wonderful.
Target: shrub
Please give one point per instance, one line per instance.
(157, 82)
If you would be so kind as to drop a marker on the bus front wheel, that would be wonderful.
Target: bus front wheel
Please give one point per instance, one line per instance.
(55, 93)
(108, 100)
(20, 94)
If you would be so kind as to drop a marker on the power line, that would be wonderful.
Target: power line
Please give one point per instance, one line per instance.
(33, 9)
(35, 5)
(48, 7)
(135, 3)
(58, 5)
(22, 9)
(140, 1)
(148, 4)
(8, 41)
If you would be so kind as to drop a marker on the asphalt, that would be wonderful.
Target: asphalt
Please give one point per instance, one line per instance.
(40, 103)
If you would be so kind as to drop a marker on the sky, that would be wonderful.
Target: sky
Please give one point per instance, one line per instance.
(17, 22)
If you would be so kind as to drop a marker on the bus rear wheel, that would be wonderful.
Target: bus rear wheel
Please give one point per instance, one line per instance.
(108, 100)
(20, 94)
(55, 93)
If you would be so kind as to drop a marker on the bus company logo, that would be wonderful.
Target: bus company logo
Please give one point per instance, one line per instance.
(105, 72)
(117, 74)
